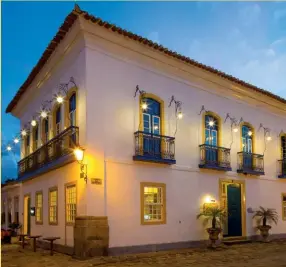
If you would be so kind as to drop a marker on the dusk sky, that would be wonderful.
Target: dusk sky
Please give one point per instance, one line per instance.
(244, 39)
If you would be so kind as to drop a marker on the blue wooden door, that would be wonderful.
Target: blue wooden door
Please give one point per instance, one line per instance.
(234, 210)
(152, 128)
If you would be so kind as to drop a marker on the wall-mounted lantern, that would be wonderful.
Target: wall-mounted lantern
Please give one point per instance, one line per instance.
(209, 202)
(32, 211)
(79, 155)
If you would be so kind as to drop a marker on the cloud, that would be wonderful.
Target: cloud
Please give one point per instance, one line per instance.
(250, 14)
(279, 14)
(154, 36)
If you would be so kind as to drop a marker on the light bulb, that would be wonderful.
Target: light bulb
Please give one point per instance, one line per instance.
(44, 114)
(180, 115)
(211, 123)
(144, 106)
(235, 130)
(60, 99)
(250, 133)
(9, 148)
(16, 140)
(24, 133)
(79, 154)
(269, 138)
(33, 123)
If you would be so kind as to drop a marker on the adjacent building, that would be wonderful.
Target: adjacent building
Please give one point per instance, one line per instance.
(156, 137)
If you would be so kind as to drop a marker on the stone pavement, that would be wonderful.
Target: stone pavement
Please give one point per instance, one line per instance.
(247, 255)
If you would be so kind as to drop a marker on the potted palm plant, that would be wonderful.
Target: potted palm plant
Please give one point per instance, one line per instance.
(215, 215)
(265, 215)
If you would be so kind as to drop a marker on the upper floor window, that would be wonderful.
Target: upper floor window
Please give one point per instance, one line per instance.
(283, 146)
(58, 120)
(247, 138)
(211, 130)
(151, 116)
(45, 130)
(27, 144)
(72, 109)
(36, 137)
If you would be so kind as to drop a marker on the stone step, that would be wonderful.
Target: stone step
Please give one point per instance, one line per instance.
(236, 241)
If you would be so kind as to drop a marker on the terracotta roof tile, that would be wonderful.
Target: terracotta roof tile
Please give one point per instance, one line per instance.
(68, 23)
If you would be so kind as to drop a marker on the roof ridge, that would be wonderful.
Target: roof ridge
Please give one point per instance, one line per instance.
(72, 17)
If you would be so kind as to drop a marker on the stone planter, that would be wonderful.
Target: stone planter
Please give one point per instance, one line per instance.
(213, 236)
(264, 231)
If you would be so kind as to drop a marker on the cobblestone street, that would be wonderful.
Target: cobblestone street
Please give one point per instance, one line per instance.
(254, 255)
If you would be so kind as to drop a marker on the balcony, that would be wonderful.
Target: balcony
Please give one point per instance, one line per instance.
(154, 148)
(249, 163)
(282, 168)
(214, 157)
(53, 154)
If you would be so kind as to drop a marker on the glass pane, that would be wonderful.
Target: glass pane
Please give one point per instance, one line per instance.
(214, 138)
(146, 123)
(156, 125)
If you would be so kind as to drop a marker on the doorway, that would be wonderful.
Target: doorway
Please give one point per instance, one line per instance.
(27, 215)
(232, 199)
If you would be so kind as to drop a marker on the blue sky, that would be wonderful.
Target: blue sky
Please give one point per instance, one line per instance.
(244, 39)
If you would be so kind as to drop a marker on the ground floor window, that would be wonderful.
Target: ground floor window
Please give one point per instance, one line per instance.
(70, 203)
(153, 203)
(284, 206)
(39, 207)
(53, 205)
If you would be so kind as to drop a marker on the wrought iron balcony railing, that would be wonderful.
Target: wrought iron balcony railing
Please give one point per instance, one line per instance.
(282, 168)
(154, 148)
(249, 163)
(61, 145)
(214, 157)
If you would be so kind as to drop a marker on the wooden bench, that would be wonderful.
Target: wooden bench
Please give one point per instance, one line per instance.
(22, 239)
(51, 240)
(34, 237)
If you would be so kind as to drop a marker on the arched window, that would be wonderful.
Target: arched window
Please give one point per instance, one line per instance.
(35, 137)
(283, 147)
(247, 138)
(72, 109)
(58, 119)
(45, 130)
(211, 130)
(151, 117)
(27, 145)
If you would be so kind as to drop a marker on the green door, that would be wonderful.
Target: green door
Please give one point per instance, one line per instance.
(234, 210)
(29, 216)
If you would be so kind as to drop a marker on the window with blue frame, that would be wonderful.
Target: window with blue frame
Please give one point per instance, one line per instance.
(72, 109)
(152, 128)
(36, 138)
(46, 130)
(27, 149)
(247, 139)
(211, 138)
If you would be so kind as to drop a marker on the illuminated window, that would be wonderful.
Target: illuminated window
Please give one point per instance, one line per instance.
(153, 203)
(70, 203)
(39, 207)
(36, 138)
(27, 149)
(45, 130)
(211, 130)
(72, 110)
(53, 206)
(247, 139)
(284, 207)
(58, 120)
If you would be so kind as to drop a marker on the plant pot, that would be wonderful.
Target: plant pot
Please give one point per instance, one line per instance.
(264, 231)
(213, 235)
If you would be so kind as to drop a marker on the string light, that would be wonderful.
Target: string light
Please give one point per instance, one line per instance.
(23, 132)
(180, 115)
(250, 133)
(144, 106)
(60, 99)
(235, 130)
(16, 140)
(269, 138)
(33, 123)
(9, 148)
(44, 114)
(211, 123)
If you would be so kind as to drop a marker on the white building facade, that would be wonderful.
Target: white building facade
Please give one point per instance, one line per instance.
(162, 135)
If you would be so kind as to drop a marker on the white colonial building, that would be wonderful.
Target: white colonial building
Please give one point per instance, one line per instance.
(162, 136)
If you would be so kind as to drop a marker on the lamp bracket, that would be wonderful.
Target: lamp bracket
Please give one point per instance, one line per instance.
(203, 109)
(141, 92)
(178, 104)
